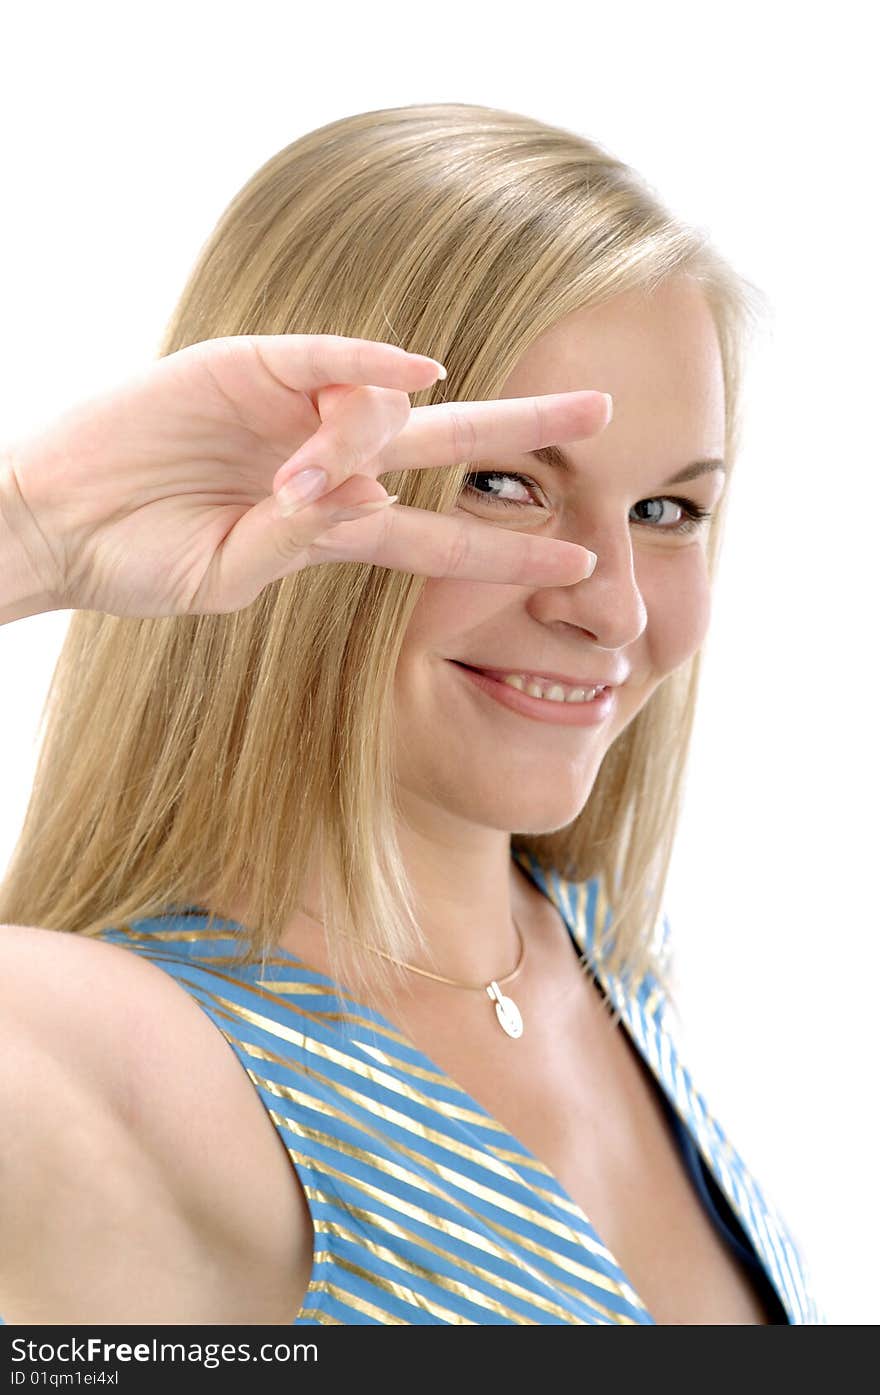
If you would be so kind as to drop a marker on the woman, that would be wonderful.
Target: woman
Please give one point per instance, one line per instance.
(325, 838)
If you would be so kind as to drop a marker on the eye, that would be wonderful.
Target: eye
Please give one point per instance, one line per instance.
(494, 477)
(694, 516)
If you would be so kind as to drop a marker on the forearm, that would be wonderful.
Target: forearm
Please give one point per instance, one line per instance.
(22, 591)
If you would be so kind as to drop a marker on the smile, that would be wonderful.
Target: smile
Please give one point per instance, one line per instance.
(556, 709)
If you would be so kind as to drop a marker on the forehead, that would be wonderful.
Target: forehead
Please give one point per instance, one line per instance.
(657, 353)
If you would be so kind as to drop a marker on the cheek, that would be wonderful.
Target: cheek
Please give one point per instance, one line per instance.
(678, 602)
(446, 614)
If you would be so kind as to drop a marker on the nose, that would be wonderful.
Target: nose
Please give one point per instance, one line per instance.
(608, 604)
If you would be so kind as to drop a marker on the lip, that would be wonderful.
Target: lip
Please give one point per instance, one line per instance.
(560, 714)
(546, 675)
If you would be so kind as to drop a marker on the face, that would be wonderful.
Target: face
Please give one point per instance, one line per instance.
(463, 756)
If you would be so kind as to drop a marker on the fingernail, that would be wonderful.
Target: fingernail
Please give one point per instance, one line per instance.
(426, 358)
(610, 400)
(308, 484)
(590, 564)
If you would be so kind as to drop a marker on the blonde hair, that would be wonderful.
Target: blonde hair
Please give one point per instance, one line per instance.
(211, 758)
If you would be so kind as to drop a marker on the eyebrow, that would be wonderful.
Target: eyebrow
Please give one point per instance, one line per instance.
(558, 460)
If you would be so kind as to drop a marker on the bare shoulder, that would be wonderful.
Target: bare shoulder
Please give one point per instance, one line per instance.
(127, 1031)
(74, 995)
(129, 1108)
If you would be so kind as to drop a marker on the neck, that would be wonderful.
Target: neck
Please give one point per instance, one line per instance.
(475, 906)
(470, 900)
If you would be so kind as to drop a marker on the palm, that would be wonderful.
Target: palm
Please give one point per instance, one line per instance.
(160, 506)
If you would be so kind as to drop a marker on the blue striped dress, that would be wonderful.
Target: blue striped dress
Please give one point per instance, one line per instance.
(426, 1209)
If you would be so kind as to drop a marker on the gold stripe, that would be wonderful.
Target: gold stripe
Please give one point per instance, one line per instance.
(315, 1285)
(504, 1155)
(592, 1276)
(404, 1294)
(454, 1178)
(328, 1257)
(443, 1226)
(296, 988)
(506, 1203)
(273, 1058)
(464, 1291)
(331, 1053)
(393, 1116)
(434, 1076)
(693, 1114)
(292, 986)
(361, 1305)
(173, 936)
(581, 925)
(402, 1232)
(260, 991)
(652, 1002)
(519, 1157)
(296, 1038)
(385, 1058)
(453, 1230)
(516, 1157)
(318, 1315)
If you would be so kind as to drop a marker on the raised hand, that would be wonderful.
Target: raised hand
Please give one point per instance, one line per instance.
(158, 497)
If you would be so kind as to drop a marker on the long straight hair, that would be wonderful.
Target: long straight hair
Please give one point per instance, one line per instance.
(212, 760)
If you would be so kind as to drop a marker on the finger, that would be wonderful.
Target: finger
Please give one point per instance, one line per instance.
(309, 361)
(443, 545)
(450, 433)
(328, 397)
(445, 433)
(359, 422)
(263, 546)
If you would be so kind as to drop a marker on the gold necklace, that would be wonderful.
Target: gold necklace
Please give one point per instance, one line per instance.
(506, 1010)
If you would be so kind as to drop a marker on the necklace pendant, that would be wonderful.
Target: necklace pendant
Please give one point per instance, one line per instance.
(506, 1011)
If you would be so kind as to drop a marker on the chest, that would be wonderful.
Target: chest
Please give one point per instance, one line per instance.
(575, 1091)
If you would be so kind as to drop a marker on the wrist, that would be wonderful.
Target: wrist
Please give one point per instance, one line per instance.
(24, 590)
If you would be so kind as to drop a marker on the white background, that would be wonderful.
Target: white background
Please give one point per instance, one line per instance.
(126, 131)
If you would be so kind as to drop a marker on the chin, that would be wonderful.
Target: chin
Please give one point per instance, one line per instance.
(546, 812)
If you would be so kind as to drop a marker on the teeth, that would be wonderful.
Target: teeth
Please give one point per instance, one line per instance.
(549, 691)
